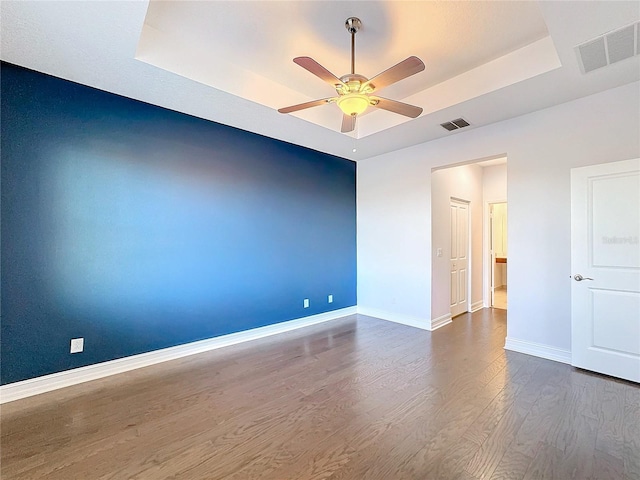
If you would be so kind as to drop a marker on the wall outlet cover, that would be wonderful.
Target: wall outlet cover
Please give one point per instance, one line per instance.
(330, 298)
(77, 345)
(305, 303)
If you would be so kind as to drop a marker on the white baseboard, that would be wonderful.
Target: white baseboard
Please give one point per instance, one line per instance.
(475, 306)
(421, 323)
(441, 321)
(54, 381)
(538, 350)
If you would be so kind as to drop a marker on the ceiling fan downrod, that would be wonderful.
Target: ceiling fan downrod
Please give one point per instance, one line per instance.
(352, 25)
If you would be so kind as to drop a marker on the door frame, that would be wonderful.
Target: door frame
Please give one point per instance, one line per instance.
(486, 240)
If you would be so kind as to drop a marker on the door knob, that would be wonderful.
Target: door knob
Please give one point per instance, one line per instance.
(578, 278)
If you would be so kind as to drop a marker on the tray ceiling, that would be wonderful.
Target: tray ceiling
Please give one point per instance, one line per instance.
(231, 61)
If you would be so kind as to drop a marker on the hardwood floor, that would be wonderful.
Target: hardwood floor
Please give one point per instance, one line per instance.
(356, 398)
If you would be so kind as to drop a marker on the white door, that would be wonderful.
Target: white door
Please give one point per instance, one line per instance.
(605, 268)
(459, 256)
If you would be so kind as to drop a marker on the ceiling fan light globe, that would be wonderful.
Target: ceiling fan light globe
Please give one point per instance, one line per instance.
(353, 103)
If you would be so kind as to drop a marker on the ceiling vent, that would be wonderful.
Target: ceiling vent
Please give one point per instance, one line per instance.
(609, 48)
(455, 124)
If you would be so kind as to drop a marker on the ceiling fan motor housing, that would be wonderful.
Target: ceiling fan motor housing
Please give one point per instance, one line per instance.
(353, 83)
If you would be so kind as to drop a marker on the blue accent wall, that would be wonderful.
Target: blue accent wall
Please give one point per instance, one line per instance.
(139, 228)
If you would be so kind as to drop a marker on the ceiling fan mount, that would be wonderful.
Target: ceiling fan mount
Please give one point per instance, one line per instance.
(353, 24)
(355, 91)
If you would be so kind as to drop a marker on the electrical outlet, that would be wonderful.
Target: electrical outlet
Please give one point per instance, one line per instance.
(439, 252)
(305, 303)
(77, 345)
(330, 299)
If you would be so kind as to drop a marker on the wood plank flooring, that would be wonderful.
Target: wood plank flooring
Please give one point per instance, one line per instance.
(356, 398)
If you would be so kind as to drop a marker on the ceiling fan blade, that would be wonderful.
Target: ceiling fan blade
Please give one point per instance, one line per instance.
(302, 106)
(402, 70)
(397, 107)
(318, 70)
(348, 123)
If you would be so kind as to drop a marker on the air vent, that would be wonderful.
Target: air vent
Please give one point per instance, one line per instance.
(460, 122)
(455, 124)
(610, 48)
(621, 44)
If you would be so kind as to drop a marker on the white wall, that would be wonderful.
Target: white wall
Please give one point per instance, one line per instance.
(494, 183)
(465, 183)
(394, 209)
(394, 239)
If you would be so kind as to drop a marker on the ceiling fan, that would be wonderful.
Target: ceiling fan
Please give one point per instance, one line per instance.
(356, 92)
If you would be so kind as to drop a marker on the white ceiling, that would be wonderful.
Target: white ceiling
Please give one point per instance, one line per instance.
(231, 61)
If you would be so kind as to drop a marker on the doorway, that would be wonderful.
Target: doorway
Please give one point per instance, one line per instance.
(477, 184)
(498, 254)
